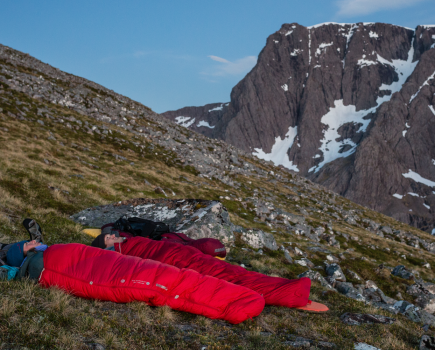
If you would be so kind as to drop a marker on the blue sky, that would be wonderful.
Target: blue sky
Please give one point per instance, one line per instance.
(169, 54)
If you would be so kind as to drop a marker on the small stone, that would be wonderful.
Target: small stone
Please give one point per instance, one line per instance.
(353, 319)
(299, 252)
(304, 262)
(354, 275)
(287, 256)
(427, 343)
(95, 346)
(335, 271)
(364, 346)
(332, 258)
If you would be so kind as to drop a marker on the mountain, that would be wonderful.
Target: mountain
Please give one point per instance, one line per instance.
(75, 154)
(349, 106)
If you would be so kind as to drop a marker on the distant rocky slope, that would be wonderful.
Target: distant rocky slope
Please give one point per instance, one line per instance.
(350, 106)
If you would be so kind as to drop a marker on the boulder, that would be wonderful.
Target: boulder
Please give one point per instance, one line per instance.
(350, 291)
(195, 217)
(387, 229)
(402, 271)
(334, 270)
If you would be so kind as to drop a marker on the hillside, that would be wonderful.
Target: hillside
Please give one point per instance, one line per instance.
(69, 144)
(349, 106)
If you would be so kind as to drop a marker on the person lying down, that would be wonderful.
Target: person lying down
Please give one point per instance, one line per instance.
(275, 290)
(94, 273)
(156, 278)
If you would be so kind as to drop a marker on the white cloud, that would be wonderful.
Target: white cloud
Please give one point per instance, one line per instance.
(218, 59)
(227, 68)
(351, 8)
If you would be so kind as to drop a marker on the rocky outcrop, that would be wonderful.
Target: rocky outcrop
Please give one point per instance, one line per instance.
(348, 106)
(196, 218)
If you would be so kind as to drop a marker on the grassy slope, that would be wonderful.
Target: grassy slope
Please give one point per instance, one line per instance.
(37, 318)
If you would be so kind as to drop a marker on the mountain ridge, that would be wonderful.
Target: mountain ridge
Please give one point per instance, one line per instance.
(321, 91)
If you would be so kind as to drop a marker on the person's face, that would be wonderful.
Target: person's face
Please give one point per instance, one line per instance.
(110, 240)
(30, 245)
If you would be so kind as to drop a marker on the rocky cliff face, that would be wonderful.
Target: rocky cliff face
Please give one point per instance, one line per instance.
(348, 106)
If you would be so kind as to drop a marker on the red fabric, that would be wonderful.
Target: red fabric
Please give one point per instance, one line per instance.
(275, 290)
(210, 246)
(95, 273)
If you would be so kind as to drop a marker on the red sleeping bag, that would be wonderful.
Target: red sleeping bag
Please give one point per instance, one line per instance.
(95, 273)
(275, 290)
(210, 246)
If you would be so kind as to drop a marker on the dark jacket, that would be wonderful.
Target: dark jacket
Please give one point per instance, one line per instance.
(32, 267)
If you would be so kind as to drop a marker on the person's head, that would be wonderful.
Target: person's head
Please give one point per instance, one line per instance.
(18, 252)
(106, 240)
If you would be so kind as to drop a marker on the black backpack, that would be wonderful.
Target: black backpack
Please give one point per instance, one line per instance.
(142, 227)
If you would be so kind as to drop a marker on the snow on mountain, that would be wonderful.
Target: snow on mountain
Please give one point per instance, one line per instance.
(278, 155)
(184, 121)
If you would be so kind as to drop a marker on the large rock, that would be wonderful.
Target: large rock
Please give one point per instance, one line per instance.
(258, 239)
(403, 272)
(425, 295)
(196, 218)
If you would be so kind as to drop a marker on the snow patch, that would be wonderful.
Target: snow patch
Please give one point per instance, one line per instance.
(433, 161)
(276, 41)
(317, 66)
(184, 121)
(279, 155)
(284, 87)
(323, 46)
(432, 109)
(204, 123)
(289, 32)
(425, 83)
(219, 108)
(433, 232)
(341, 114)
(296, 52)
(309, 46)
(336, 117)
(418, 178)
(373, 35)
(403, 69)
(363, 62)
(413, 194)
(404, 132)
(397, 196)
(427, 206)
